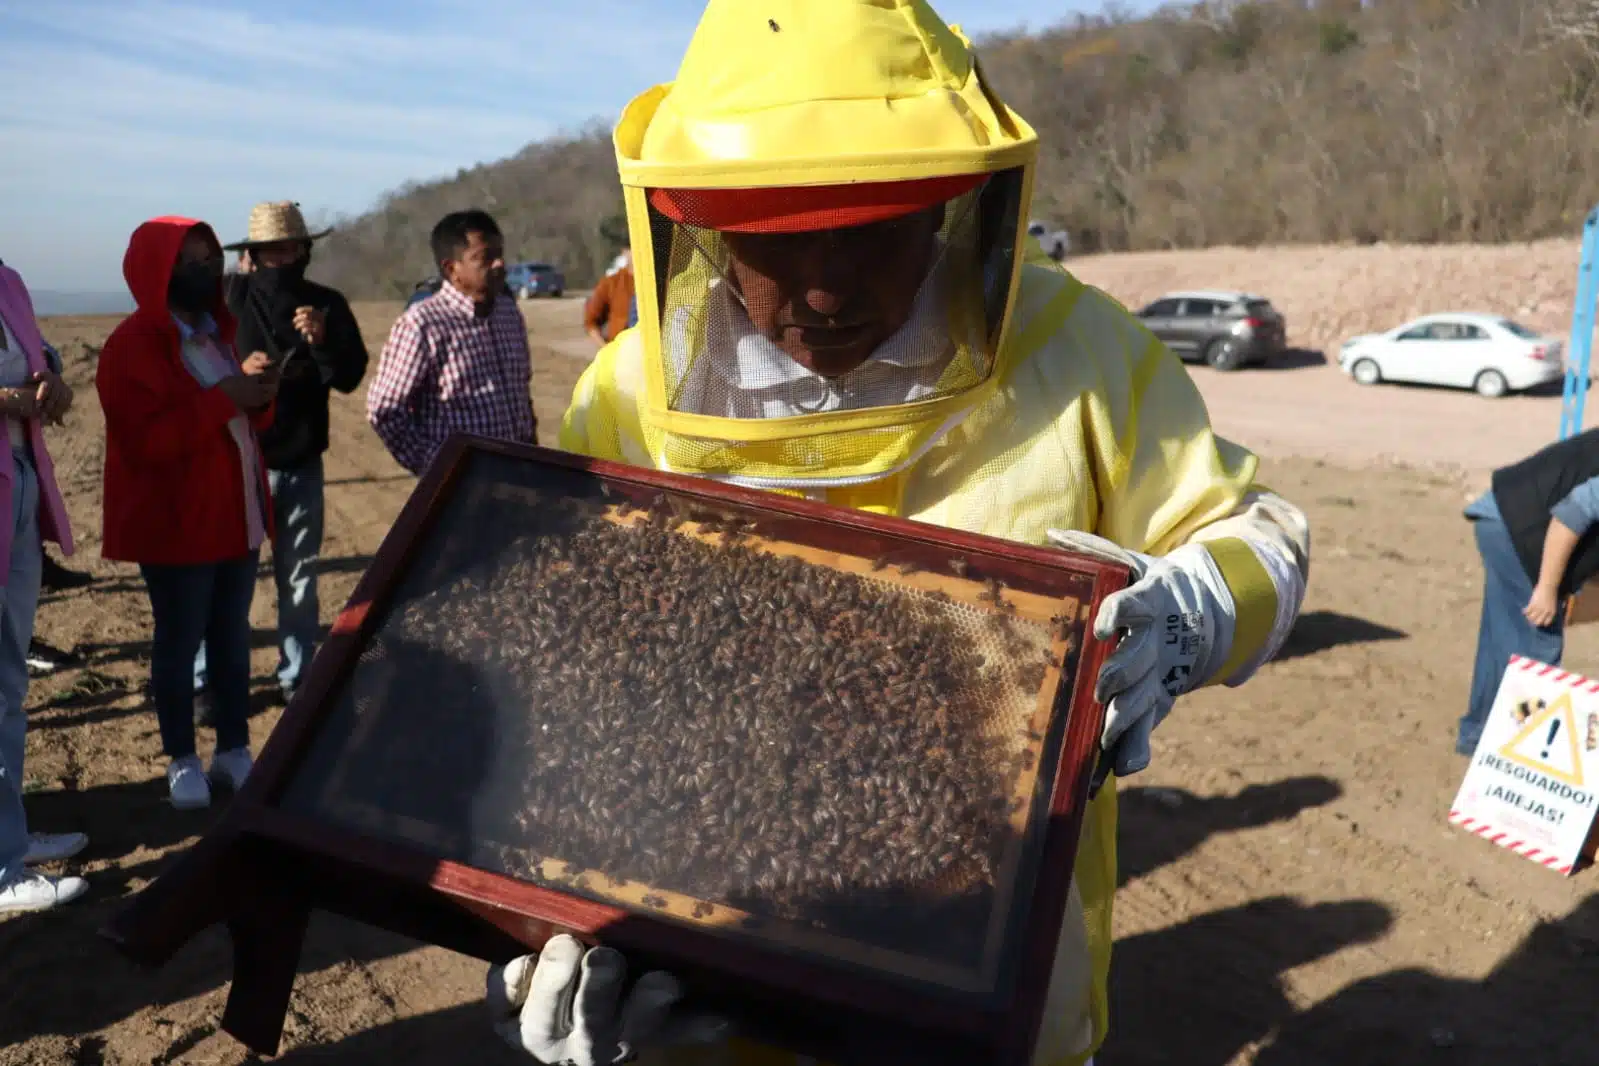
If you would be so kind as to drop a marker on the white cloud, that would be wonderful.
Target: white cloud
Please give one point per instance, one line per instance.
(557, 58)
(102, 88)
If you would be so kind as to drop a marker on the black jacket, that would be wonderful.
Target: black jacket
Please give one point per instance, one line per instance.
(1527, 492)
(299, 430)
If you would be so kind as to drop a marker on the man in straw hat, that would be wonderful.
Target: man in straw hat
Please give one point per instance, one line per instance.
(309, 331)
(838, 300)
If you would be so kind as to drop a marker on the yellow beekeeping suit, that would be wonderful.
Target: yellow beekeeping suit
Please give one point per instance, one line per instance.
(1068, 414)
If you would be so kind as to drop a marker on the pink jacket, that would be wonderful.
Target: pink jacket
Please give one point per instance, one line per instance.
(16, 306)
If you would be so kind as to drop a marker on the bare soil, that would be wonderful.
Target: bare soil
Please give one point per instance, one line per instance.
(1292, 893)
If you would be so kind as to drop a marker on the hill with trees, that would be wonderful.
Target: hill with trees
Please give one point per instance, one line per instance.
(1225, 123)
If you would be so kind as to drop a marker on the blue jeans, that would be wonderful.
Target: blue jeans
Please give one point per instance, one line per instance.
(21, 595)
(209, 602)
(1504, 631)
(297, 512)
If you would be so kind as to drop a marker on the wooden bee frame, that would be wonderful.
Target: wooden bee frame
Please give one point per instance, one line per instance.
(301, 837)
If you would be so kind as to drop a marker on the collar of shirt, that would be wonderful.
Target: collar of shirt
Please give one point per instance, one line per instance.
(207, 326)
(904, 368)
(456, 300)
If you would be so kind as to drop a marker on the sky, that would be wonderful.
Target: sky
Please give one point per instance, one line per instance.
(122, 110)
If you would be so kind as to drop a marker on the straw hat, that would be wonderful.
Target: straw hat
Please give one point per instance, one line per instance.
(279, 220)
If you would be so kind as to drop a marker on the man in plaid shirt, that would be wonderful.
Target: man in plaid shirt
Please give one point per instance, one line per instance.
(457, 361)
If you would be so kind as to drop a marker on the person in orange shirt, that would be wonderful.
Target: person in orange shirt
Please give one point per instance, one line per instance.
(606, 313)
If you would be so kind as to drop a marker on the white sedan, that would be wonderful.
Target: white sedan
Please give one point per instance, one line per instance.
(1488, 353)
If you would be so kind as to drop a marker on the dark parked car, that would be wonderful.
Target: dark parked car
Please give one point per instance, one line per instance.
(528, 280)
(424, 288)
(1224, 329)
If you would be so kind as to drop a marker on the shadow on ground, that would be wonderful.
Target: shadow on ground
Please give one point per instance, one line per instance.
(96, 697)
(1535, 1006)
(130, 581)
(1548, 390)
(1317, 631)
(1158, 826)
(122, 989)
(1554, 388)
(139, 650)
(1295, 359)
(460, 1034)
(373, 479)
(1201, 991)
(124, 821)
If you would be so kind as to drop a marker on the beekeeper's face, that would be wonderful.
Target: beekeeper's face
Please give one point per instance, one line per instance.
(831, 297)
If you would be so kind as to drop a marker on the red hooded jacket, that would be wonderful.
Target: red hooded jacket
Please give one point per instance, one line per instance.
(172, 490)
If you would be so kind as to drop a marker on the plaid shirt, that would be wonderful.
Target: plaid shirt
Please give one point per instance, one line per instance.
(445, 370)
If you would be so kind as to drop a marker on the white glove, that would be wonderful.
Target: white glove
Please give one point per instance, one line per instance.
(562, 1007)
(1176, 622)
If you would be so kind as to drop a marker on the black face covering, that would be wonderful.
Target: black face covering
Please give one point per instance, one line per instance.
(271, 280)
(193, 287)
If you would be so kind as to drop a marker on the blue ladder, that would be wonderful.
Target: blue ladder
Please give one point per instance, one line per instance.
(1583, 606)
(1581, 343)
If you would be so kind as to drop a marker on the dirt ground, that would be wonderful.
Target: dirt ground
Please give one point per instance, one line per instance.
(1292, 893)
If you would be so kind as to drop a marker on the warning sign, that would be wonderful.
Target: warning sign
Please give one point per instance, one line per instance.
(1548, 742)
(1531, 786)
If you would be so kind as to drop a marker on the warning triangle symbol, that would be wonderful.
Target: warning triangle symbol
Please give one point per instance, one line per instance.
(1549, 743)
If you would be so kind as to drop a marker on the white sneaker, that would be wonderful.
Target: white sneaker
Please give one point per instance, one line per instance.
(231, 768)
(29, 891)
(53, 847)
(186, 784)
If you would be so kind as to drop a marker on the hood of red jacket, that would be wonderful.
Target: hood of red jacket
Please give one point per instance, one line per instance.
(153, 252)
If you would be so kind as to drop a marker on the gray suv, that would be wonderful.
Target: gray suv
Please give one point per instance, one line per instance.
(1224, 329)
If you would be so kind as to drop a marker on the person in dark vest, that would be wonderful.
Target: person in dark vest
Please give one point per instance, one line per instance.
(309, 331)
(1537, 530)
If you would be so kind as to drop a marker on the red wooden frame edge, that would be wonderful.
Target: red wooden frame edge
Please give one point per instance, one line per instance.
(796, 507)
(1068, 801)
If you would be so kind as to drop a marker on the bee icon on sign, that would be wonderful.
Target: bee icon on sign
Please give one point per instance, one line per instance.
(1592, 741)
(1525, 709)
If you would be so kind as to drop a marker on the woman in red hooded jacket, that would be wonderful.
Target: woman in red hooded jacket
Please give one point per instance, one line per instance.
(185, 487)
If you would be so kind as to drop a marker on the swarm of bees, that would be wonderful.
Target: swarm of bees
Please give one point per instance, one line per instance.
(737, 727)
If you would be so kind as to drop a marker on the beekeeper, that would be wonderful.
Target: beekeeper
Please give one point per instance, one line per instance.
(837, 300)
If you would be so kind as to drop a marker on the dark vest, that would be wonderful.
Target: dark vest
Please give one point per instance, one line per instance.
(1528, 490)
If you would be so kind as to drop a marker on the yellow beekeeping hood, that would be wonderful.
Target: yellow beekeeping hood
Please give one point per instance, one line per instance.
(806, 92)
(789, 93)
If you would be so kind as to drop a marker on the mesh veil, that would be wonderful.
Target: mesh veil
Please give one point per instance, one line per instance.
(734, 401)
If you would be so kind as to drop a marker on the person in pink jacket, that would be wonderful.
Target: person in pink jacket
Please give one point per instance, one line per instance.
(31, 512)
